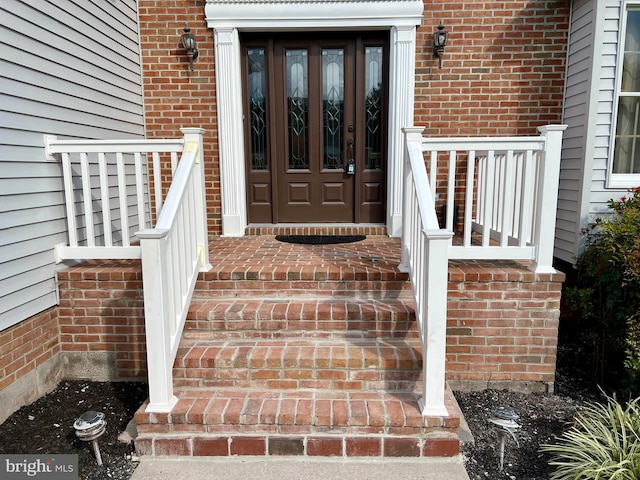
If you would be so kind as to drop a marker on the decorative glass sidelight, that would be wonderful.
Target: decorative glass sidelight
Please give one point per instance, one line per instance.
(373, 108)
(257, 109)
(298, 108)
(332, 108)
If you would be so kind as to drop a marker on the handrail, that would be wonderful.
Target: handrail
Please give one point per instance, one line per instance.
(424, 257)
(172, 255)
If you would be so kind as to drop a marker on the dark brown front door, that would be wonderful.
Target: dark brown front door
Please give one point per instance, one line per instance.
(315, 128)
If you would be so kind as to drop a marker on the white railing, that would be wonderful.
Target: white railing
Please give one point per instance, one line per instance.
(107, 192)
(503, 191)
(111, 204)
(424, 257)
(172, 255)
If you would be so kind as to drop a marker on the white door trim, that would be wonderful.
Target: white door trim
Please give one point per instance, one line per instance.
(228, 17)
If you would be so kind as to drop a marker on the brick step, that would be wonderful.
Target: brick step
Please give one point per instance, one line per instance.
(300, 317)
(223, 422)
(367, 269)
(356, 365)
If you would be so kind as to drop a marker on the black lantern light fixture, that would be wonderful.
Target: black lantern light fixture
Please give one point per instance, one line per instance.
(439, 42)
(189, 44)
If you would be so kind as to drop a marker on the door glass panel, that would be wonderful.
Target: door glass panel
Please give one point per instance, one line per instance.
(257, 109)
(332, 107)
(373, 108)
(298, 108)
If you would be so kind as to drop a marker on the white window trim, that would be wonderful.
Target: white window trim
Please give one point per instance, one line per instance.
(620, 180)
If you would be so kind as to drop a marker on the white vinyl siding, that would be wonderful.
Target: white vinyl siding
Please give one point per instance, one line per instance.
(588, 112)
(69, 68)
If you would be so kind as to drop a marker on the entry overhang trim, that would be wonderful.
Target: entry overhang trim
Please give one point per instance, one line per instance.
(319, 14)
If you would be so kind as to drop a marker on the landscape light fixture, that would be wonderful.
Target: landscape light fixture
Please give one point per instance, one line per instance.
(189, 44)
(439, 42)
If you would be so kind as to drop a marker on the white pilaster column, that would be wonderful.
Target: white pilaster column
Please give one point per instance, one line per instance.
(401, 98)
(230, 131)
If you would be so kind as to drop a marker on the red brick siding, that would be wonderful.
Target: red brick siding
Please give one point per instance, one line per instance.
(101, 310)
(27, 345)
(175, 97)
(503, 73)
(503, 67)
(502, 324)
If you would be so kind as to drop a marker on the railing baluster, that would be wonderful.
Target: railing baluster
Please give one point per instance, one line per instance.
(139, 190)
(157, 182)
(104, 198)
(526, 206)
(507, 199)
(433, 174)
(86, 193)
(489, 195)
(70, 200)
(468, 206)
(122, 198)
(174, 162)
(451, 189)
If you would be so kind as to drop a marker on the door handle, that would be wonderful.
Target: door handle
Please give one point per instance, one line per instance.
(351, 163)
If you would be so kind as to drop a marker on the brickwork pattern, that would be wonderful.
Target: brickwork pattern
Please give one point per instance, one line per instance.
(502, 323)
(503, 67)
(503, 73)
(27, 345)
(102, 310)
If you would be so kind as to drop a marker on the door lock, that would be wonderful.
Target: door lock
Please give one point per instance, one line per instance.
(351, 163)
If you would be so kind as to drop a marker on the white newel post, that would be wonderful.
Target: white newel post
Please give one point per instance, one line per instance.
(230, 131)
(401, 100)
(157, 317)
(434, 335)
(547, 199)
(202, 229)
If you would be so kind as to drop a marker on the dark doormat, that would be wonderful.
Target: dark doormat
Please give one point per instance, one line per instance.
(320, 239)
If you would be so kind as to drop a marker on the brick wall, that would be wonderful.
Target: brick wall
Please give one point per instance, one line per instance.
(503, 73)
(101, 315)
(174, 96)
(27, 345)
(502, 328)
(503, 67)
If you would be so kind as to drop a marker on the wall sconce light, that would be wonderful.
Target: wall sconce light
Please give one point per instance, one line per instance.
(189, 44)
(439, 42)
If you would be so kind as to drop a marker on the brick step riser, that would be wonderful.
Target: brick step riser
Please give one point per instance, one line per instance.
(299, 364)
(267, 317)
(311, 292)
(281, 382)
(371, 447)
(205, 329)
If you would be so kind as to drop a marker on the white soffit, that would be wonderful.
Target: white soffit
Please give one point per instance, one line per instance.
(312, 14)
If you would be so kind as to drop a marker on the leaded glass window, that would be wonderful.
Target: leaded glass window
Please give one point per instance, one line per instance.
(298, 108)
(257, 109)
(333, 107)
(373, 108)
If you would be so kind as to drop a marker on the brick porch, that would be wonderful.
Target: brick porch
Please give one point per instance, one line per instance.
(314, 350)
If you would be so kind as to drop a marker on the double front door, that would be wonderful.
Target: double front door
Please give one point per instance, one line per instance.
(315, 116)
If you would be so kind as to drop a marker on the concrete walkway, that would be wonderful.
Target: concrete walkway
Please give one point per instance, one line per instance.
(252, 468)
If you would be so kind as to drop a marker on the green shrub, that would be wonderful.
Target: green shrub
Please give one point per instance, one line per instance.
(607, 295)
(603, 444)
